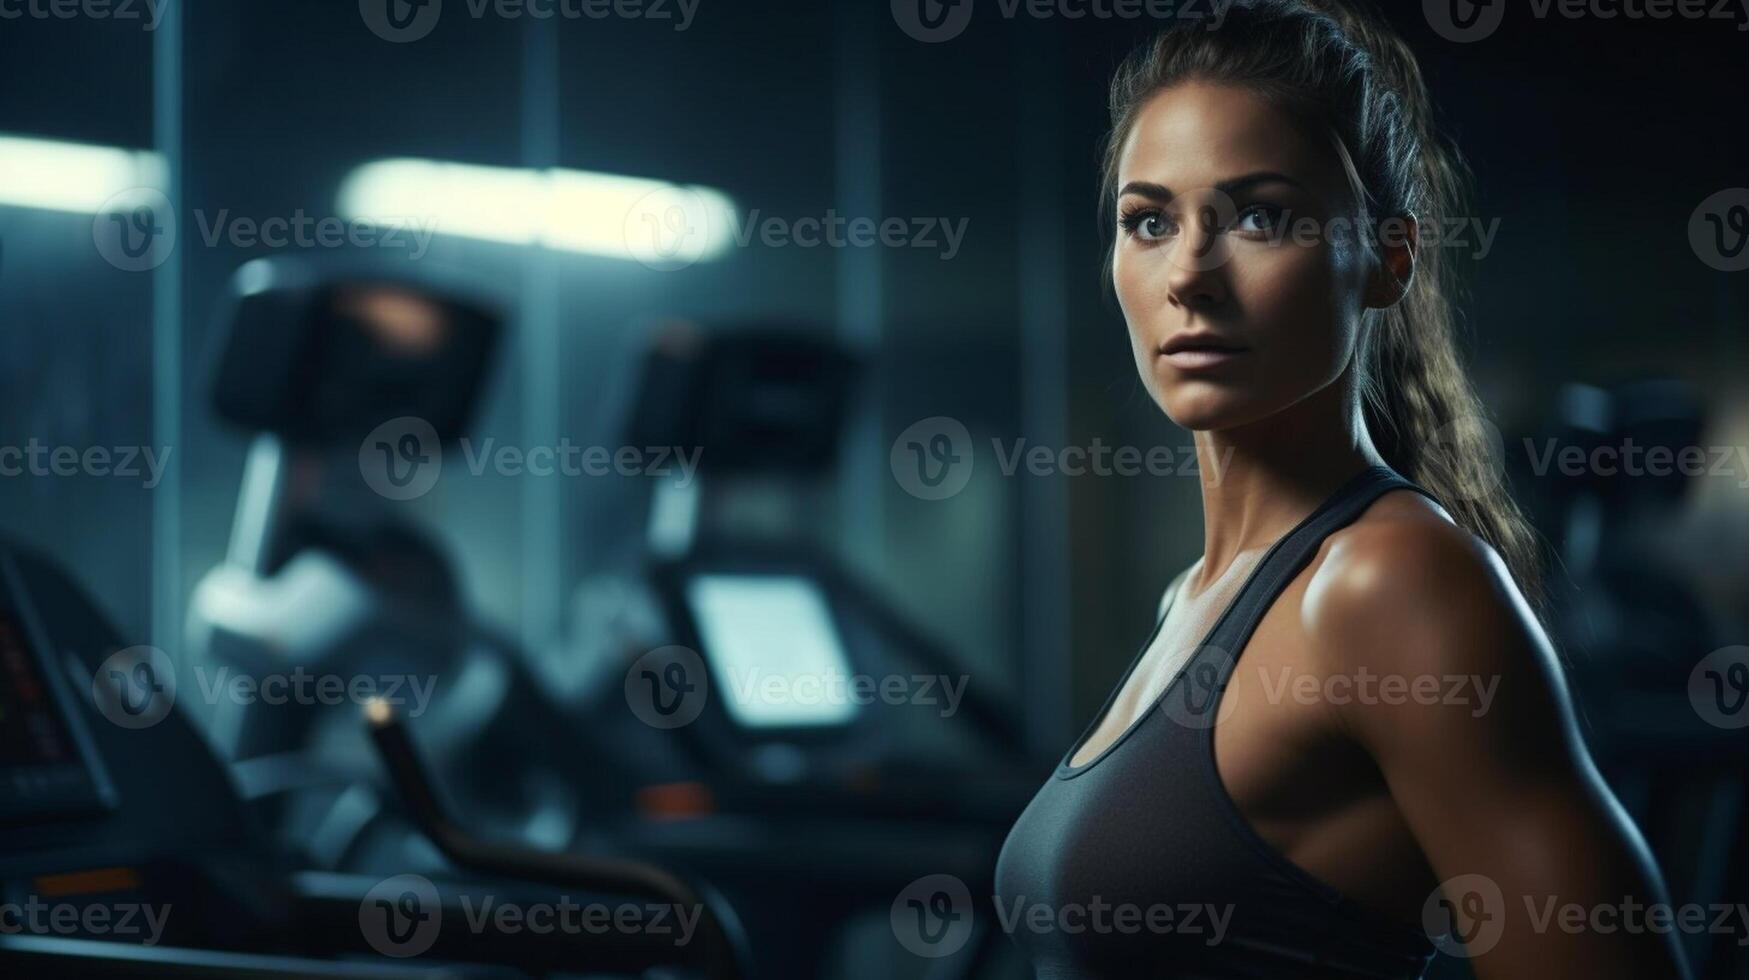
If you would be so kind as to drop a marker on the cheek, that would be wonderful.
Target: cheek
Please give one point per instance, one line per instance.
(1128, 282)
(1301, 303)
(1141, 281)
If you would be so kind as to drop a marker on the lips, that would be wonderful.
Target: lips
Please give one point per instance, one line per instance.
(1200, 341)
(1200, 351)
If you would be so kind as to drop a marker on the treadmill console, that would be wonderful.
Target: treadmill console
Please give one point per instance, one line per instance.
(48, 766)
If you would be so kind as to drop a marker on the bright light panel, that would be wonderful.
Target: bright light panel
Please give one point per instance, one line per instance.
(650, 221)
(78, 177)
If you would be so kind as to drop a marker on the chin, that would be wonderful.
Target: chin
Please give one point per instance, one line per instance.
(1200, 407)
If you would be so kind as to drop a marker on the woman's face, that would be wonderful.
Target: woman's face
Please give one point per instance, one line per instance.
(1236, 263)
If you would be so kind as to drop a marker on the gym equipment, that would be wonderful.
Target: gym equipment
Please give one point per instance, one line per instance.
(126, 852)
(802, 815)
(805, 809)
(347, 386)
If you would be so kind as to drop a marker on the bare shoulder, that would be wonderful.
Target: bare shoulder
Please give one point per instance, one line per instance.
(1407, 596)
(1406, 587)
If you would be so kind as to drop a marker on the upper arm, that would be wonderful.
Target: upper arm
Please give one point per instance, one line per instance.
(1473, 731)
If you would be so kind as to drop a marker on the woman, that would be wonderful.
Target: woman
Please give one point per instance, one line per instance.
(1348, 740)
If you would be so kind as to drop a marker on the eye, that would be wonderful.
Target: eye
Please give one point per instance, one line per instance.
(1147, 224)
(1260, 219)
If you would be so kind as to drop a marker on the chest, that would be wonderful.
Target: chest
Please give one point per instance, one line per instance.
(1277, 709)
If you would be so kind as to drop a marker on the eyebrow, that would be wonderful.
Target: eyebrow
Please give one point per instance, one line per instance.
(1230, 187)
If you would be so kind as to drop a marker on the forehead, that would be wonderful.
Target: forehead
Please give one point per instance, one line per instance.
(1195, 134)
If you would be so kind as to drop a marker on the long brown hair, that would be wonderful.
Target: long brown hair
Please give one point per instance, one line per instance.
(1338, 63)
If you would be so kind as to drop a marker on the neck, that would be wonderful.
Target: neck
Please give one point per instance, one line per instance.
(1261, 479)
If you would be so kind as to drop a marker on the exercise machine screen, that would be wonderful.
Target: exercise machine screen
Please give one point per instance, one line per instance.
(774, 650)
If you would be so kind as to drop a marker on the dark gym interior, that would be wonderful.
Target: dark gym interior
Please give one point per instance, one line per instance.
(392, 395)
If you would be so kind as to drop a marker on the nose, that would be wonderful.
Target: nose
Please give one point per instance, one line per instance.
(1197, 279)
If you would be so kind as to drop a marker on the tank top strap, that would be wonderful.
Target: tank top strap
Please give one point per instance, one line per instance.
(1295, 550)
(1210, 667)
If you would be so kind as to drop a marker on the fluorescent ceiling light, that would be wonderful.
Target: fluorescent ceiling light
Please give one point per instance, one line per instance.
(77, 177)
(649, 221)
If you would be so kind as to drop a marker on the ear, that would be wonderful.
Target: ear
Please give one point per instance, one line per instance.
(1399, 242)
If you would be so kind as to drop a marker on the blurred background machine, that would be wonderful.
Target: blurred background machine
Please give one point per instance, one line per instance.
(1630, 614)
(127, 851)
(875, 763)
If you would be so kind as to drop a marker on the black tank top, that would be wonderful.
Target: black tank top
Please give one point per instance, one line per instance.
(1139, 863)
